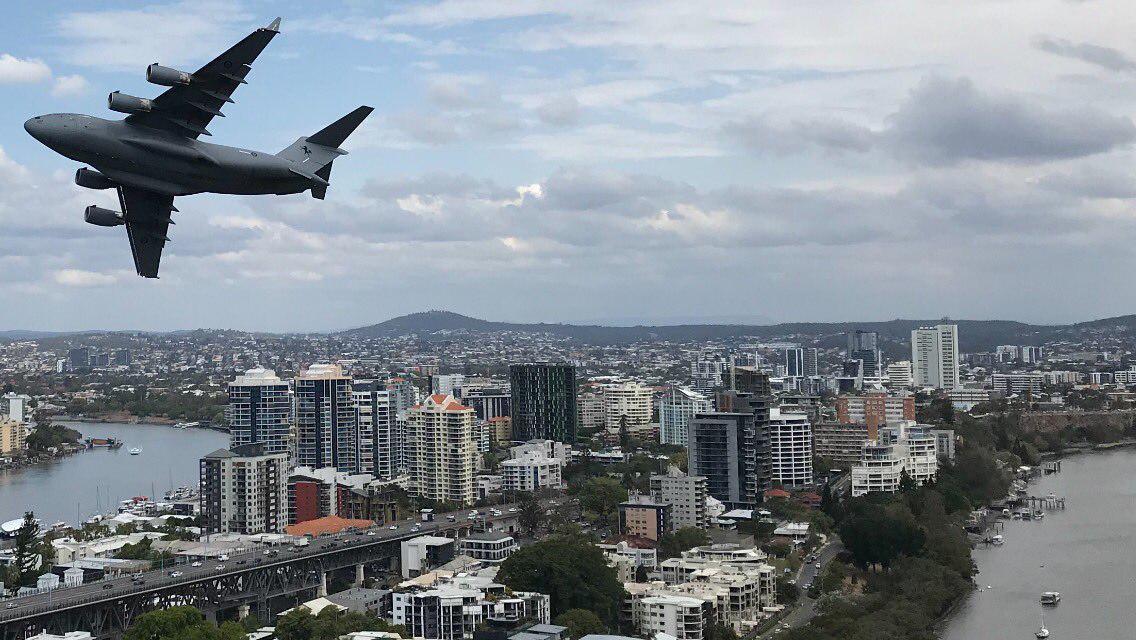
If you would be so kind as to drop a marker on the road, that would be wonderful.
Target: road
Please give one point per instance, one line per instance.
(805, 608)
(259, 557)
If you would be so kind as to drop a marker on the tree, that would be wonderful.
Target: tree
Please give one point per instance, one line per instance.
(787, 591)
(878, 534)
(300, 624)
(719, 631)
(530, 516)
(181, 623)
(602, 496)
(671, 545)
(573, 572)
(680, 459)
(26, 553)
(580, 622)
(624, 435)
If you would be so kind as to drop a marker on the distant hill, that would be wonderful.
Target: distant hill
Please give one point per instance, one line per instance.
(973, 334)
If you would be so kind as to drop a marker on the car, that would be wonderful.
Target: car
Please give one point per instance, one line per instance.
(219, 567)
(223, 557)
(451, 518)
(196, 563)
(512, 509)
(108, 586)
(11, 605)
(817, 565)
(393, 527)
(370, 533)
(175, 574)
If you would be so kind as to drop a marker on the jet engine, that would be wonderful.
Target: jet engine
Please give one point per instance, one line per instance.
(126, 103)
(102, 217)
(91, 179)
(167, 77)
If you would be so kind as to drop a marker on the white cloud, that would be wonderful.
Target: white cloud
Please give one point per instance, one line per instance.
(81, 278)
(69, 85)
(14, 70)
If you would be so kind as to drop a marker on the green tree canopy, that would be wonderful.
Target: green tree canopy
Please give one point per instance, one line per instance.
(571, 571)
(602, 496)
(672, 545)
(580, 622)
(181, 623)
(878, 534)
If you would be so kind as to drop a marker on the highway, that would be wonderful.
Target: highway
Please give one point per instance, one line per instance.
(260, 557)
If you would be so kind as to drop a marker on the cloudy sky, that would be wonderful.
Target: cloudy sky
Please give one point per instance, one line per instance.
(577, 160)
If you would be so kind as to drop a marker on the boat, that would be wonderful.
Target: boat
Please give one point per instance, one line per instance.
(1050, 598)
(186, 425)
(997, 540)
(1041, 632)
(1038, 515)
(135, 451)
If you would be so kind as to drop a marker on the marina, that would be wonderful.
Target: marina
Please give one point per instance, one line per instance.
(94, 482)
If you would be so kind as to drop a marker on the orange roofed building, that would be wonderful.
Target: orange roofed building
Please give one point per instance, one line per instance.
(440, 450)
(325, 525)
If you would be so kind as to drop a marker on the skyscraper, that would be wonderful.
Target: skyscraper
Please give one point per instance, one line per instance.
(543, 401)
(243, 490)
(627, 400)
(795, 362)
(440, 451)
(260, 411)
(326, 432)
(675, 412)
(864, 346)
(934, 356)
(731, 448)
(376, 419)
(812, 362)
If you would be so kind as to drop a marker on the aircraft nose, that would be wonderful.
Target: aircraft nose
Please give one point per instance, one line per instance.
(34, 127)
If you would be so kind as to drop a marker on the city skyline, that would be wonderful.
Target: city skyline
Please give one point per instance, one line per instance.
(589, 161)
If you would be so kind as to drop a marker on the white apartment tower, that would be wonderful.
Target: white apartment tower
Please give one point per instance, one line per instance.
(244, 490)
(260, 411)
(374, 412)
(327, 434)
(790, 448)
(440, 452)
(629, 399)
(676, 410)
(934, 356)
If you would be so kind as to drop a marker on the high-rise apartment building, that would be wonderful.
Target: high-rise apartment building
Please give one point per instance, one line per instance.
(934, 356)
(790, 449)
(708, 374)
(875, 409)
(812, 362)
(717, 450)
(628, 401)
(374, 413)
(685, 497)
(244, 490)
(440, 451)
(260, 411)
(794, 362)
(543, 401)
(16, 406)
(327, 434)
(676, 409)
(13, 437)
(489, 399)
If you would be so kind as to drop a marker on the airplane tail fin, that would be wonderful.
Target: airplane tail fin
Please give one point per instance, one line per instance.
(314, 154)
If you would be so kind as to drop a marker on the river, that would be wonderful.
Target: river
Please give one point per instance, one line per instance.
(1087, 552)
(95, 480)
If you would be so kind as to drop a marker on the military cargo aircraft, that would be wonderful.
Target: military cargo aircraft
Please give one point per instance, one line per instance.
(154, 154)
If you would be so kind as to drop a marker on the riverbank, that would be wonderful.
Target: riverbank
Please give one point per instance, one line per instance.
(1085, 551)
(129, 418)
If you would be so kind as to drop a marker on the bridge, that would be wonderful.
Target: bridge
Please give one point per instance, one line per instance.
(245, 582)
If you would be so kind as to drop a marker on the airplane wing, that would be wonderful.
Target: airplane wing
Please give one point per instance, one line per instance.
(147, 216)
(188, 109)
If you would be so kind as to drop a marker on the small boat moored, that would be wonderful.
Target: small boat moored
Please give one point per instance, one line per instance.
(135, 451)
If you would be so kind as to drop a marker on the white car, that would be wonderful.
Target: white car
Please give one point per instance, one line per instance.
(175, 574)
(512, 509)
(195, 564)
(393, 527)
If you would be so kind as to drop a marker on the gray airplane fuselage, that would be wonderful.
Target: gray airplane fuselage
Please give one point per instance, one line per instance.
(164, 162)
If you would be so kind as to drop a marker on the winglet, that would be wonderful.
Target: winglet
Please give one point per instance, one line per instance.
(274, 25)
